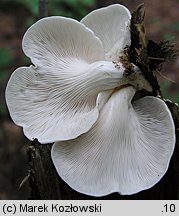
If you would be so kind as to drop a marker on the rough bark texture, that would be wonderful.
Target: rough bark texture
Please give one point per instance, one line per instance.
(148, 55)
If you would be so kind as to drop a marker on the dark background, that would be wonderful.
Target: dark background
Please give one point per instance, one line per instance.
(162, 23)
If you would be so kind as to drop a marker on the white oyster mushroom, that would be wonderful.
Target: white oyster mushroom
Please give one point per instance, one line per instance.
(74, 95)
(127, 150)
(56, 99)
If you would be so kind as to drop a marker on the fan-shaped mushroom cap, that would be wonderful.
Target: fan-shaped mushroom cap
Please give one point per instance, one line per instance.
(127, 150)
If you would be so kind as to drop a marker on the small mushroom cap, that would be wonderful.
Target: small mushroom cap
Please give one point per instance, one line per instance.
(112, 25)
(50, 40)
(127, 150)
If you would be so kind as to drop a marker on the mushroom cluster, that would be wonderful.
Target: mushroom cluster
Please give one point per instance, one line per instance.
(79, 95)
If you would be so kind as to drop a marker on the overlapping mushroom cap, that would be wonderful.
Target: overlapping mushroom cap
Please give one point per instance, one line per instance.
(74, 95)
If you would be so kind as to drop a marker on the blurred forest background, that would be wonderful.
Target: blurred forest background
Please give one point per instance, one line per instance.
(162, 23)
